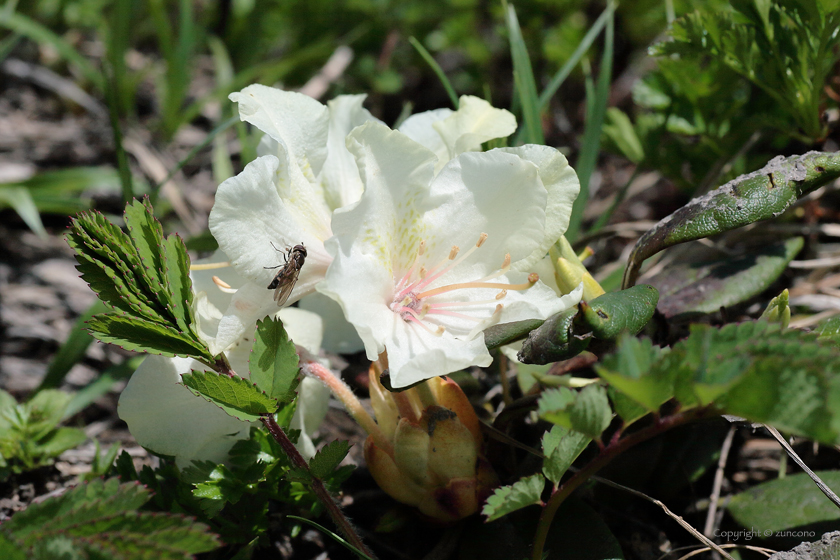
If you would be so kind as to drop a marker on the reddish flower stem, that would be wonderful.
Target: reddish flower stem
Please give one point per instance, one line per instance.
(607, 454)
(341, 522)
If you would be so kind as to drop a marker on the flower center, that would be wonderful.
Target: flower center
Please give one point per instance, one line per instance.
(414, 300)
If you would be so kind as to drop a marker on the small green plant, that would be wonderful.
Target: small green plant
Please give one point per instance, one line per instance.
(30, 436)
(100, 519)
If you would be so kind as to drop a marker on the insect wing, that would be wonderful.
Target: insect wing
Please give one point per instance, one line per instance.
(286, 280)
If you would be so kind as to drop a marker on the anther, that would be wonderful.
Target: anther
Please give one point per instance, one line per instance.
(481, 239)
(501, 295)
(533, 278)
(453, 252)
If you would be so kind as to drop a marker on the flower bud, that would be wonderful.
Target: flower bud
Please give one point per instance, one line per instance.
(435, 460)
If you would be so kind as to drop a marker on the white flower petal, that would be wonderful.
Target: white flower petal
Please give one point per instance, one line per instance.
(249, 304)
(312, 405)
(415, 355)
(304, 327)
(250, 221)
(562, 184)
(475, 122)
(495, 193)
(290, 118)
(168, 419)
(340, 336)
(342, 185)
(420, 128)
(362, 286)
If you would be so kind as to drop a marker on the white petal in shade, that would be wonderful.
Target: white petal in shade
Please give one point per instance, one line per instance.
(250, 220)
(249, 304)
(290, 118)
(562, 185)
(340, 337)
(312, 405)
(304, 327)
(168, 419)
(342, 185)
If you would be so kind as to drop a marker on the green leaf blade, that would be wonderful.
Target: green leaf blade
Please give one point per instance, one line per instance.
(274, 361)
(520, 494)
(134, 333)
(237, 396)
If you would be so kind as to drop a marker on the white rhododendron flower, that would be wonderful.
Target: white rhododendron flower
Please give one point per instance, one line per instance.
(287, 196)
(169, 419)
(425, 261)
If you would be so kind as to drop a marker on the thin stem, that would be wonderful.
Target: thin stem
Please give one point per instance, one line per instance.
(607, 454)
(341, 522)
(351, 403)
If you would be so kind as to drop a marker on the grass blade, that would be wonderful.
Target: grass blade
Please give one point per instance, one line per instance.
(20, 199)
(596, 108)
(40, 34)
(437, 70)
(523, 77)
(73, 350)
(581, 49)
(333, 536)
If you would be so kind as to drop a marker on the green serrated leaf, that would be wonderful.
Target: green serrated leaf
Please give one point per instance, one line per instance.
(759, 195)
(561, 447)
(520, 494)
(626, 408)
(100, 518)
(586, 411)
(328, 458)
(590, 414)
(274, 361)
(793, 501)
(109, 496)
(237, 396)
(630, 372)
(177, 267)
(147, 237)
(134, 333)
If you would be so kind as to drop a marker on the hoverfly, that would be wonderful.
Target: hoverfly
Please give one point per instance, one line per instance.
(284, 281)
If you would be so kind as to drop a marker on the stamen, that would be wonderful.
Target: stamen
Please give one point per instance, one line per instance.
(499, 296)
(420, 251)
(209, 266)
(505, 268)
(223, 286)
(481, 239)
(414, 319)
(451, 287)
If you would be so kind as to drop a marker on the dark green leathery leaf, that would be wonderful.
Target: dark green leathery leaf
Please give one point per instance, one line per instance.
(605, 317)
(554, 340)
(614, 313)
(756, 196)
(699, 288)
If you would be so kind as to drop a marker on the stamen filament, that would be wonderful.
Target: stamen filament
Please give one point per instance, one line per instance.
(455, 262)
(466, 303)
(451, 287)
(414, 319)
(209, 266)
